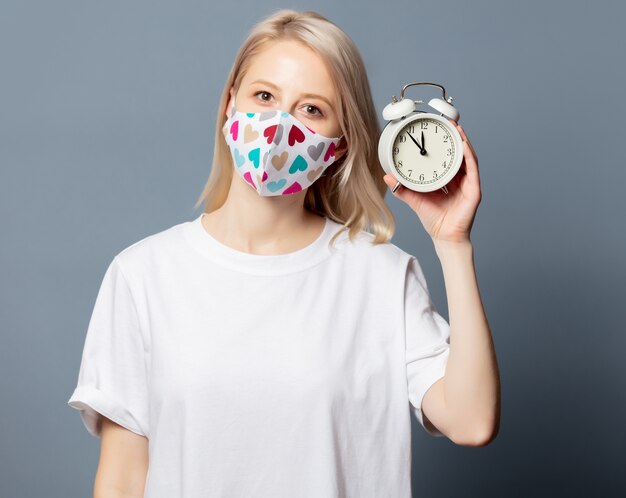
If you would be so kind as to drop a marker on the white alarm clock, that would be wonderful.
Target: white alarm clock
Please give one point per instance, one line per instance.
(421, 150)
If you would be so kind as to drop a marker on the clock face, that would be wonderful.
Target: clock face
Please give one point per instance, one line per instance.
(424, 151)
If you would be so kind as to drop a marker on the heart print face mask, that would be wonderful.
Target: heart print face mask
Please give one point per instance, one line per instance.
(275, 153)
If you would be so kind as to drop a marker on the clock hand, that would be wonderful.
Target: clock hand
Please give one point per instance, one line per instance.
(423, 143)
(422, 151)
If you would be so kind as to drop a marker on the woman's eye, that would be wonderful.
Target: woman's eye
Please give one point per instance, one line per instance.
(263, 94)
(311, 109)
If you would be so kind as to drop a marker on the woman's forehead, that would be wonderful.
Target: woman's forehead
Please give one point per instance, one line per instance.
(291, 66)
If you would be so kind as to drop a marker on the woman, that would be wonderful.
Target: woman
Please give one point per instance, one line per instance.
(273, 346)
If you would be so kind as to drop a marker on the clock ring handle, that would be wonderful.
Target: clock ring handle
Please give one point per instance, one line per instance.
(426, 83)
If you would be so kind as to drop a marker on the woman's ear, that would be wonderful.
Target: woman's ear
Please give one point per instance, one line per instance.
(342, 148)
(229, 103)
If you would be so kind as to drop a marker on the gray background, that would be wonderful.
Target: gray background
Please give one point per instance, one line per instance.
(107, 116)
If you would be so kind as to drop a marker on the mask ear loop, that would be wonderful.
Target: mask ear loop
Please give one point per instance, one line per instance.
(232, 112)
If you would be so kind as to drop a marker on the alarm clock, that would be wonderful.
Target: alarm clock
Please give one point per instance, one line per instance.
(421, 150)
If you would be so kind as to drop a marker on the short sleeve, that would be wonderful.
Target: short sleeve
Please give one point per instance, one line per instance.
(427, 340)
(112, 380)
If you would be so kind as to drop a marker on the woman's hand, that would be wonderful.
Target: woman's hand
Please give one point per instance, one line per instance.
(447, 217)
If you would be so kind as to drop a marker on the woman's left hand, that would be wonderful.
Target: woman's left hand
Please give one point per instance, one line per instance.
(447, 217)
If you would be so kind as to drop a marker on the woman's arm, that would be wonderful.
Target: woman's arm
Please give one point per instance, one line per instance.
(123, 466)
(465, 403)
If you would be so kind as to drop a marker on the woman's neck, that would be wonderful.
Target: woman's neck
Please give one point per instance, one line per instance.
(260, 225)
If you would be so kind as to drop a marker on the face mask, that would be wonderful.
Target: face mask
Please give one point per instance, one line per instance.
(275, 153)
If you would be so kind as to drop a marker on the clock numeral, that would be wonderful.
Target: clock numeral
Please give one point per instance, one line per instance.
(436, 128)
(395, 151)
(412, 128)
(449, 152)
(422, 177)
(445, 139)
(399, 164)
(402, 138)
(444, 164)
(424, 125)
(410, 171)
(435, 173)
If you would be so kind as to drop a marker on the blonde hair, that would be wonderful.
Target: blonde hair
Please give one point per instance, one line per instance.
(352, 189)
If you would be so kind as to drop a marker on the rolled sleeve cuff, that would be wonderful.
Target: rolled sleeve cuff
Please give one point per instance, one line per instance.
(91, 403)
(427, 378)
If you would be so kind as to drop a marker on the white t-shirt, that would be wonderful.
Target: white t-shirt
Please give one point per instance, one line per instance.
(264, 375)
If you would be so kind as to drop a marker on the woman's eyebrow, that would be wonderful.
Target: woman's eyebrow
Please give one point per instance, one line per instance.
(306, 95)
